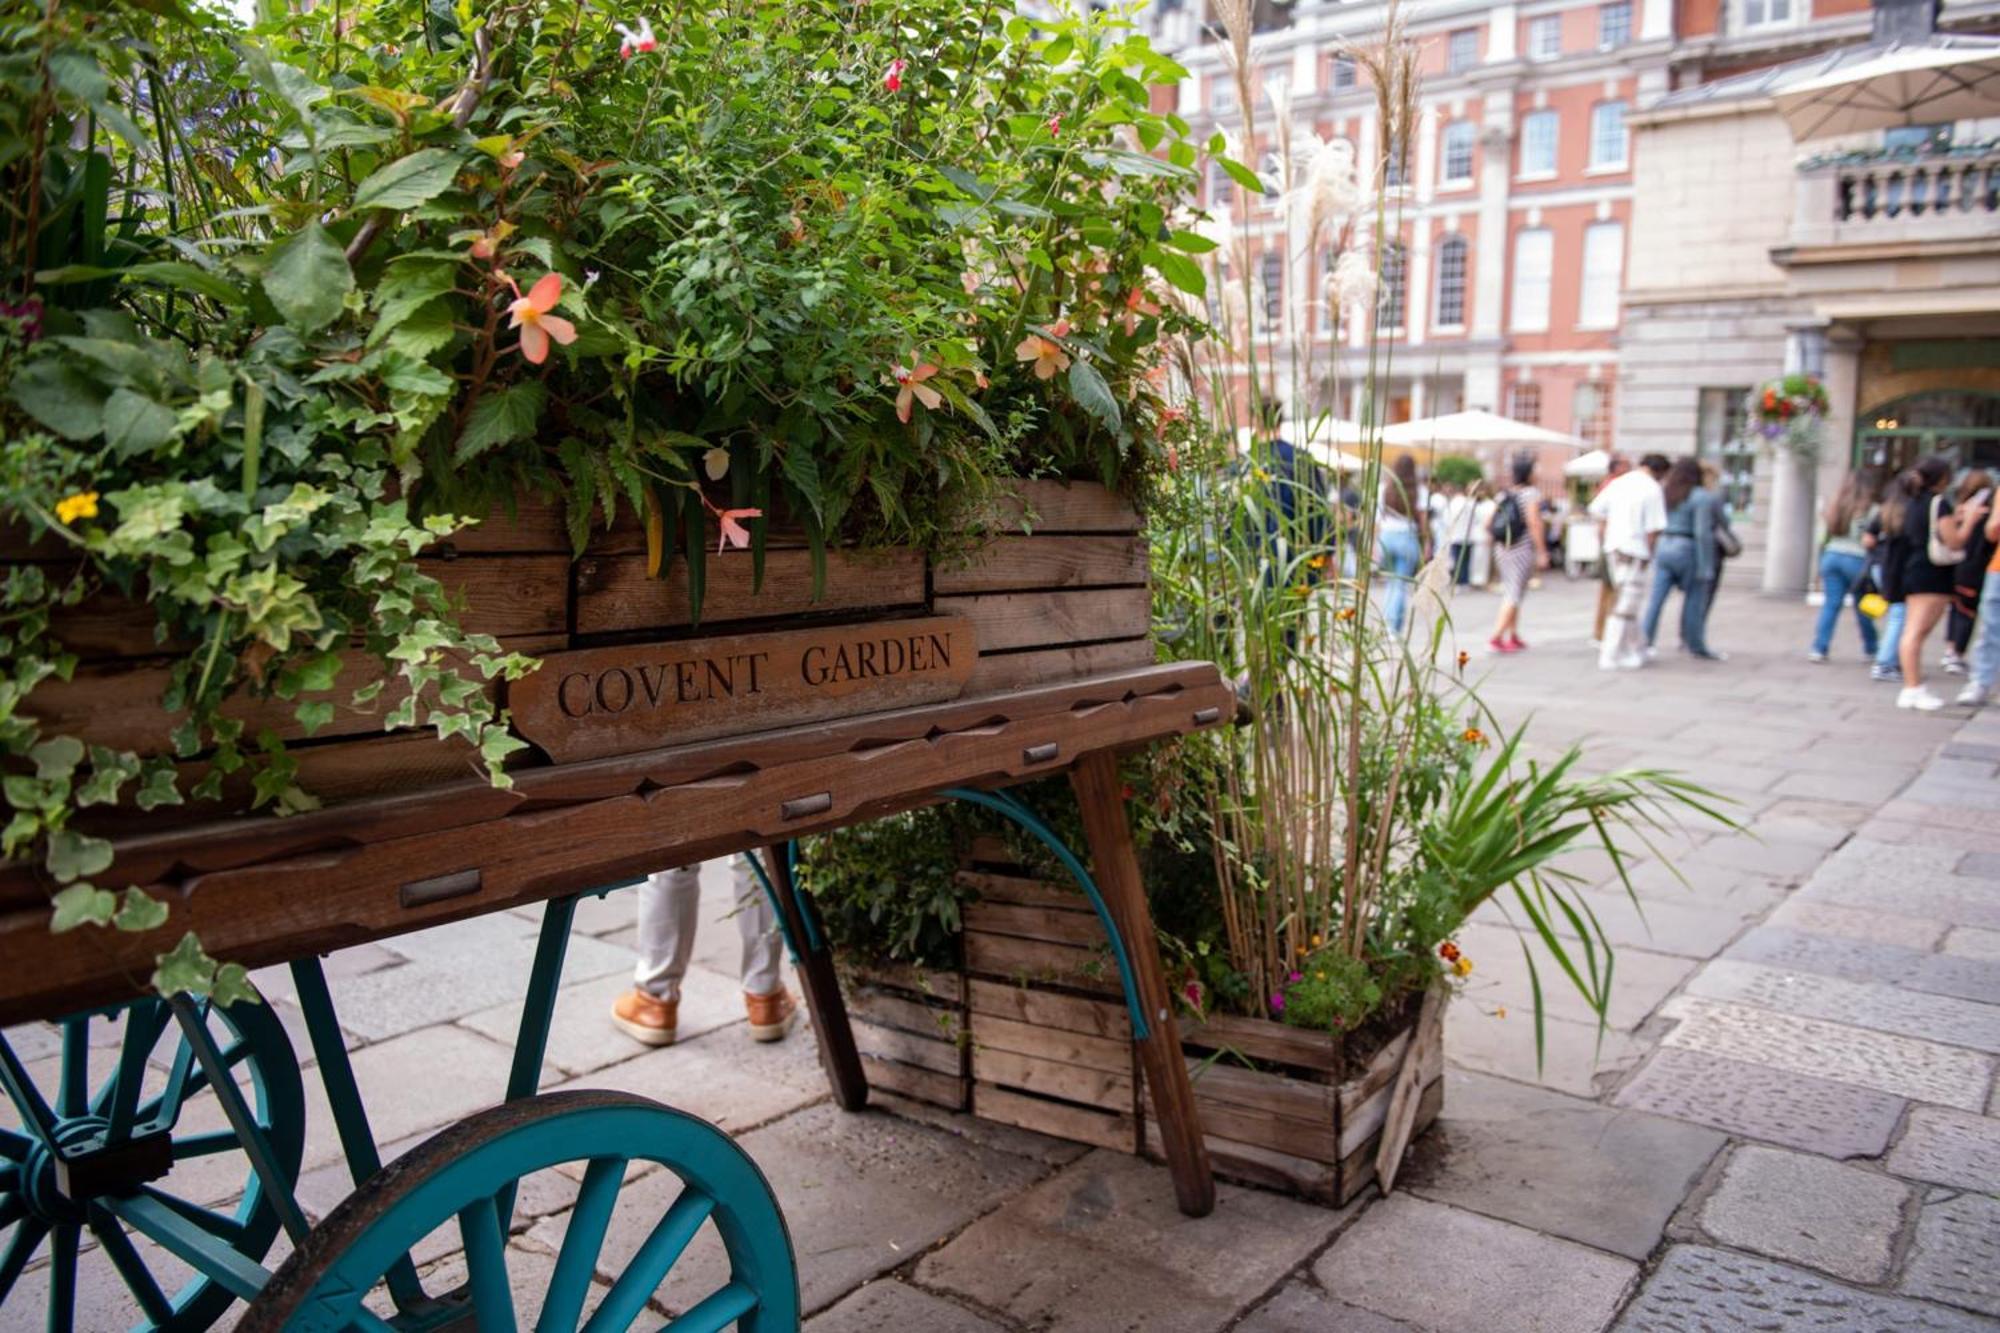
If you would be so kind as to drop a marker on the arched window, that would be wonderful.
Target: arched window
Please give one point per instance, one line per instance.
(1451, 283)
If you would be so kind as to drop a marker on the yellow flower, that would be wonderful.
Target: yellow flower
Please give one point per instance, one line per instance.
(73, 507)
(1319, 976)
(1345, 613)
(1315, 941)
(1261, 474)
(1463, 967)
(1317, 563)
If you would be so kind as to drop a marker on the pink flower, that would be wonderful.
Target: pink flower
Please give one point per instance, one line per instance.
(970, 281)
(530, 314)
(979, 378)
(1055, 126)
(734, 533)
(512, 159)
(910, 386)
(1296, 977)
(1060, 328)
(893, 80)
(1137, 306)
(1277, 1002)
(1193, 993)
(637, 40)
(1046, 354)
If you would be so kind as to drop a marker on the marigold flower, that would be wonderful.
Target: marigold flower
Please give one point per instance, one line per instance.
(530, 314)
(893, 80)
(1473, 736)
(1448, 951)
(1315, 941)
(1462, 966)
(911, 387)
(1344, 613)
(1046, 354)
(83, 504)
(1463, 658)
(1316, 564)
(637, 40)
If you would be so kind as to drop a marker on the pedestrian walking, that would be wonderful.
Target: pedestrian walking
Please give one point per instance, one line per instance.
(1930, 545)
(1483, 505)
(1633, 512)
(1520, 547)
(1400, 531)
(1617, 467)
(1886, 571)
(1971, 573)
(1984, 661)
(1456, 540)
(1727, 544)
(1686, 558)
(669, 910)
(1843, 560)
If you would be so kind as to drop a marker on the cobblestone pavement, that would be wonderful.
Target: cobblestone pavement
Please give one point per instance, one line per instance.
(1791, 1123)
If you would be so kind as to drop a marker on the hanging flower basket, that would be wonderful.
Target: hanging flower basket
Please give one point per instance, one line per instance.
(1789, 412)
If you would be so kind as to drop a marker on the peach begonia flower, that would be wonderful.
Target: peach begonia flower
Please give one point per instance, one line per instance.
(910, 386)
(487, 244)
(530, 314)
(970, 281)
(1046, 354)
(1138, 306)
(733, 532)
(637, 40)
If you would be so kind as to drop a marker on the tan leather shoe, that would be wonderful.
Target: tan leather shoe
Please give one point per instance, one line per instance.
(771, 1016)
(646, 1018)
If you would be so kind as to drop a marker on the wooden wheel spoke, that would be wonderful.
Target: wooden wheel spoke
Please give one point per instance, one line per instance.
(12, 1206)
(717, 1311)
(144, 1023)
(163, 1111)
(13, 1147)
(214, 1223)
(649, 1267)
(73, 1092)
(206, 1144)
(132, 1270)
(486, 1265)
(62, 1278)
(10, 1183)
(582, 1241)
(27, 1239)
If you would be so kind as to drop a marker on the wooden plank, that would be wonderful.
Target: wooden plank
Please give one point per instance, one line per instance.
(996, 672)
(1058, 925)
(1012, 564)
(1265, 1127)
(1007, 620)
(614, 593)
(991, 1032)
(1358, 1171)
(888, 1009)
(1049, 506)
(1021, 891)
(1400, 1118)
(1249, 1164)
(1260, 1039)
(1382, 1067)
(1078, 1124)
(1366, 1119)
(885, 1043)
(1008, 957)
(990, 849)
(1050, 1009)
(1106, 1089)
(951, 1091)
(535, 524)
(598, 702)
(507, 595)
(1257, 1090)
(946, 987)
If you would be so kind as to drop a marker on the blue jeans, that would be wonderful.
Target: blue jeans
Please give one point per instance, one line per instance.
(1839, 571)
(1674, 567)
(1400, 556)
(1986, 635)
(1892, 636)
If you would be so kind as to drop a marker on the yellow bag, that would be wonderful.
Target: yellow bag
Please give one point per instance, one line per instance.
(1874, 605)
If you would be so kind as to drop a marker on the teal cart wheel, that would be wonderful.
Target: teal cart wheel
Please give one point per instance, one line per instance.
(134, 1137)
(466, 1176)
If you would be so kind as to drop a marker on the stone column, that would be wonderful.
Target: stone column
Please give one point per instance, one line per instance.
(1788, 537)
(1842, 377)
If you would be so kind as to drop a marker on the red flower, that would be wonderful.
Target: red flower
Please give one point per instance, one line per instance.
(893, 80)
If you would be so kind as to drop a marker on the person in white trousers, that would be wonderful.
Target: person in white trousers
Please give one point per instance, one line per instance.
(1632, 512)
(669, 912)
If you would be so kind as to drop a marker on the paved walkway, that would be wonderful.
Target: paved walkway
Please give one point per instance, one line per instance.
(1790, 1125)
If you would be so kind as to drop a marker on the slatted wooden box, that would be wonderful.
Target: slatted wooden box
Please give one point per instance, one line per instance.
(1059, 593)
(909, 1025)
(1051, 1040)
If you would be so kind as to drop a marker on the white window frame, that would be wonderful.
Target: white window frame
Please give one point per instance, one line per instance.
(1396, 263)
(1597, 305)
(1344, 64)
(1271, 309)
(1553, 119)
(1604, 43)
(1600, 434)
(1452, 63)
(1540, 27)
(1515, 392)
(1528, 305)
(1448, 247)
(1763, 15)
(1470, 133)
(1623, 162)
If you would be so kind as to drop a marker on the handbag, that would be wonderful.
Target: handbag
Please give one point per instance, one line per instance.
(1934, 546)
(1727, 544)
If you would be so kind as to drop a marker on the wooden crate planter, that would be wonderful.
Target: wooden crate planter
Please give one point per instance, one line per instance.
(1051, 1040)
(1292, 1123)
(1070, 600)
(910, 1028)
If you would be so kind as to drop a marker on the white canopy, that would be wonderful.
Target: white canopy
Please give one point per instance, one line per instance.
(1903, 85)
(1475, 430)
(1589, 466)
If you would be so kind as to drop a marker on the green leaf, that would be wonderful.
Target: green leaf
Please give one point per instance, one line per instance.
(56, 757)
(134, 424)
(1241, 174)
(1178, 270)
(159, 788)
(184, 970)
(308, 279)
(73, 855)
(188, 278)
(82, 905)
(1093, 394)
(1193, 242)
(502, 417)
(409, 181)
(139, 911)
(232, 985)
(314, 715)
(61, 395)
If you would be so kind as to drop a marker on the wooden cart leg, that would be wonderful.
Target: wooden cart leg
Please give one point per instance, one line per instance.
(837, 1054)
(1116, 867)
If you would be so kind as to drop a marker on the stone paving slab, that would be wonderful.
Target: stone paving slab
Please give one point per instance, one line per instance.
(1654, 925)
(1941, 1018)
(1599, 1175)
(1445, 1268)
(1888, 1063)
(1972, 942)
(724, 1077)
(1930, 897)
(477, 972)
(1101, 1246)
(1805, 1209)
(1641, 982)
(1717, 1291)
(581, 1036)
(1956, 1258)
(888, 1304)
(1576, 1057)
(1303, 1308)
(1949, 1148)
(1816, 918)
(1865, 960)
(1863, 860)
(1758, 1102)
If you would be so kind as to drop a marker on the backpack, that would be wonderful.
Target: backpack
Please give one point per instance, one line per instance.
(1508, 525)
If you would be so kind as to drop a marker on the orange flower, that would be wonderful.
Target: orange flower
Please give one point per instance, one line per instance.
(1448, 951)
(1345, 613)
(1138, 306)
(1316, 564)
(1046, 354)
(530, 314)
(1463, 658)
(910, 386)
(1473, 736)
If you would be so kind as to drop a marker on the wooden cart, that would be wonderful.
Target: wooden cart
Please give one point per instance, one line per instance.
(98, 1148)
